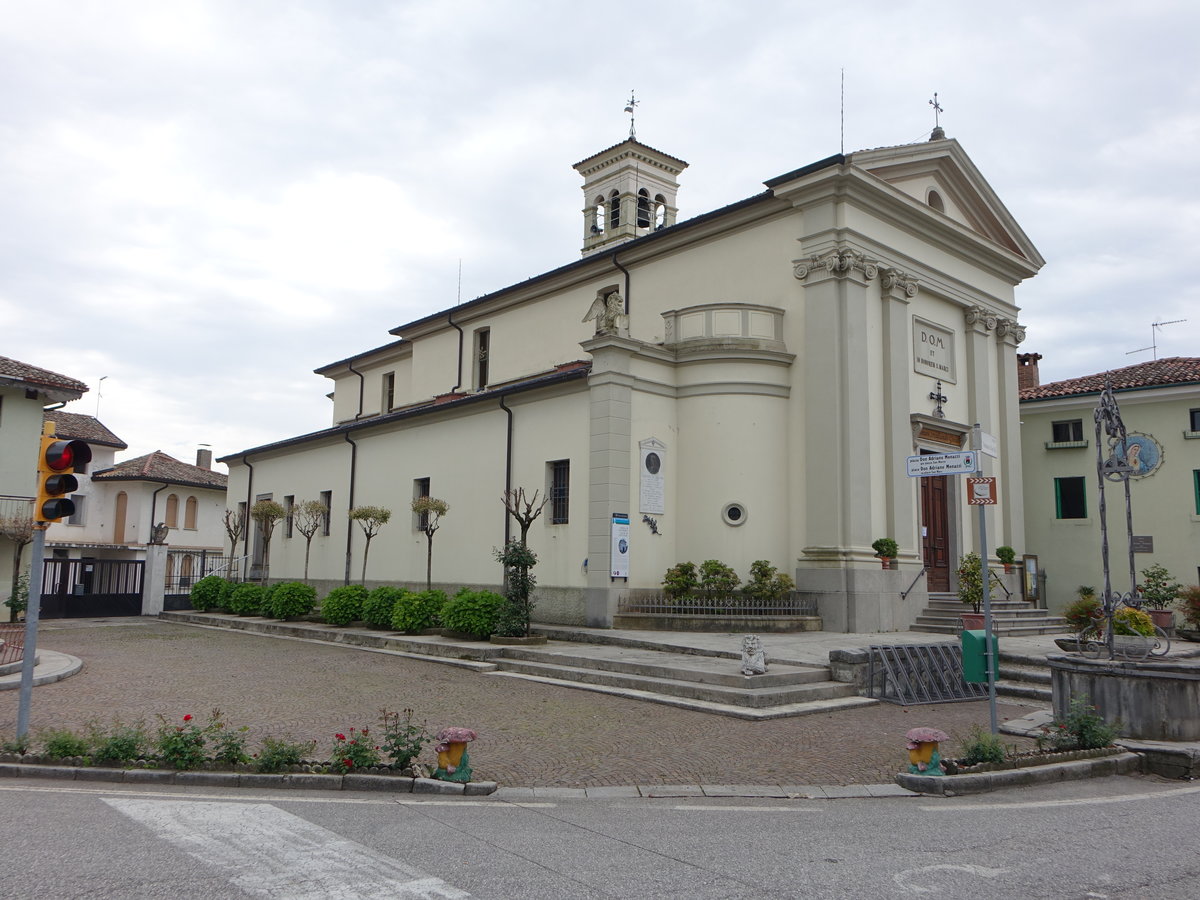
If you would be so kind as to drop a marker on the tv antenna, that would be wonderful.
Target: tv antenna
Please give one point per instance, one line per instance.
(1154, 327)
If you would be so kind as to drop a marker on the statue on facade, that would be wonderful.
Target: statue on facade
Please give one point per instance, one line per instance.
(754, 659)
(609, 312)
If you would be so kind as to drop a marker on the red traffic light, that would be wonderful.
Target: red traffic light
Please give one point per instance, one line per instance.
(64, 455)
(58, 462)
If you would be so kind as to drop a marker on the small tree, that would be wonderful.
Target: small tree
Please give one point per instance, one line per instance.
(370, 519)
(524, 509)
(307, 517)
(235, 527)
(267, 513)
(518, 559)
(19, 530)
(429, 512)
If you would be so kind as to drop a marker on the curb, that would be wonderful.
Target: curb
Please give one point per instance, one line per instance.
(985, 782)
(55, 666)
(396, 784)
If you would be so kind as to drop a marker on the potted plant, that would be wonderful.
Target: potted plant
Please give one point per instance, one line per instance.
(1189, 606)
(887, 550)
(1083, 618)
(970, 589)
(1006, 555)
(1159, 591)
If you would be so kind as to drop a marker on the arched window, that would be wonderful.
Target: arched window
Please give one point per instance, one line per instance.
(643, 209)
(170, 569)
(935, 201)
(189, 513)
(172, 516)
(614, 210)
(660, 211)
(598, 216)
(185, 572)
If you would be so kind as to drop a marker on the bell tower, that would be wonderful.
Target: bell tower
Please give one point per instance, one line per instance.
(629, 191)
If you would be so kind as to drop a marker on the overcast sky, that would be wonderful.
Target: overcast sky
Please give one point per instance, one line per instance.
(219, 197)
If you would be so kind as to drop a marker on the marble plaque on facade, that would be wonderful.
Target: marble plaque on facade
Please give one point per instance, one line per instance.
(652, 495)
(933, 350)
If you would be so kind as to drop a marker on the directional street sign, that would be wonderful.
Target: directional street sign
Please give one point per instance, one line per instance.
(981, 491)
(961, 463)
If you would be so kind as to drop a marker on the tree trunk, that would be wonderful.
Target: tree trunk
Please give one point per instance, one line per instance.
(307, 550)
(429, 563)
(366, 553)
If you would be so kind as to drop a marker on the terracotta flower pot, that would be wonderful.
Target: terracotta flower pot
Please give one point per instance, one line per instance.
(972, 621)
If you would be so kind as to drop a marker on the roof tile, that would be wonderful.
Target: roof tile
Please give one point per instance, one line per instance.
(78, 427)
(12, 368)
(158, 466)
(1159, 372)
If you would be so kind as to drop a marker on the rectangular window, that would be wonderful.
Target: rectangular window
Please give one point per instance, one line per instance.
(420, 489)
(289, 507)
(559, 490)
(1194, 420)
(1196, 488)
(1063, 432)
(389, 392)
(1070, 498)
(483, 342)
(77, 517)
(327, 500)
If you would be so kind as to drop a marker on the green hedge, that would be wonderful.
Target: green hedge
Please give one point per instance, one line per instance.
(209, 592)
(416, 612)
(344, 605)
(246, 599)
(377, 609)
(474, 612)
(291, 598)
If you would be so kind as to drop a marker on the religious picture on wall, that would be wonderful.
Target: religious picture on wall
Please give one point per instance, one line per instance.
(1143, 453)
(652, 493)
(1030, 580)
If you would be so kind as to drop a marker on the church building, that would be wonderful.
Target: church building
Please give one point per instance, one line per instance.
(745, 384)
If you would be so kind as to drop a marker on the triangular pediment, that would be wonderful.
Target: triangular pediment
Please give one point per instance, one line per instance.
(940, 175)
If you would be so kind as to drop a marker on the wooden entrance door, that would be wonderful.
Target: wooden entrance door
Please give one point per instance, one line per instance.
(935, 535)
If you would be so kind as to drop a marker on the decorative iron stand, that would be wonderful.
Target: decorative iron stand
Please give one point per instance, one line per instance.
(1116, 468)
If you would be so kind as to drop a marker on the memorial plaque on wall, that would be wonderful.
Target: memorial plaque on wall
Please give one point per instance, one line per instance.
(1143, 543)
(933, 350)
(652, 493)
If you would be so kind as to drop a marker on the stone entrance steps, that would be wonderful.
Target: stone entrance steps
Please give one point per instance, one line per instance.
(1026, 677)
(1013, 617)
(687, 680)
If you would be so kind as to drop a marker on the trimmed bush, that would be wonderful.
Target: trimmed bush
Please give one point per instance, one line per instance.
(246, 599)
(1132, 622)
(209, 592)
(292, 598)
(377, 609)
(474, 612)
(343, 605)
(416, 612)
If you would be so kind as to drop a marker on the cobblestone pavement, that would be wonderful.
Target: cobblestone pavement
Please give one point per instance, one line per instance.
(529, 734)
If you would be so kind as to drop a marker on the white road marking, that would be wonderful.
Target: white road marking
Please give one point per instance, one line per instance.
(279, 797)
(757, 809)
(268, 852)
(1081, 801)
(902, 878)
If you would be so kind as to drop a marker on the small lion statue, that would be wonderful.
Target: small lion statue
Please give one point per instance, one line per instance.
(754, 660)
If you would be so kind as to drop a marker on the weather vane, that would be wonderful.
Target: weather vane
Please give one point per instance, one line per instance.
(629, 109)
(937, 111)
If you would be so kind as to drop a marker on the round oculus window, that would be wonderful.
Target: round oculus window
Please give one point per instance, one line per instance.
(734, 514)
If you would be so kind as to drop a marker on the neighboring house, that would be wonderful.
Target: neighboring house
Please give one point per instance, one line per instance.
(1160, 406)
(25, 391)
(743, 385)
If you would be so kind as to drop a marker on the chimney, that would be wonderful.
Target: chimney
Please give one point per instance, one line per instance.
(1027, 371)
(204, 458)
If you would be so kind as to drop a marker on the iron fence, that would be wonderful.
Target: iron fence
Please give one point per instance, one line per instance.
(12, 643)
(703, 603)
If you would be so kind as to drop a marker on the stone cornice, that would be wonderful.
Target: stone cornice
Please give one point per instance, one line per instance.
(839, 262)
(982, 320)
(897, 285)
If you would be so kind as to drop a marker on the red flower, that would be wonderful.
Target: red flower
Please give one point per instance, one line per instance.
(348, 763)
(340, 737)
(188, 717)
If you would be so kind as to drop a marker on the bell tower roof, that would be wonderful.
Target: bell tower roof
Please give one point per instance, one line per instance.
(629, 191)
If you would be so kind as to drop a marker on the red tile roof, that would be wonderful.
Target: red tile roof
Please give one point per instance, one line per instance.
(1158, 373)
(78, 427)
(157, 466)
(36, 377)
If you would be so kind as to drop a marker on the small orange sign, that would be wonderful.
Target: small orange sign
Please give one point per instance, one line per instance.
(981, 491)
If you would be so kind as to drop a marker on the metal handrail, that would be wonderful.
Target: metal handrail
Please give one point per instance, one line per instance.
(996, 578)
(904, 594)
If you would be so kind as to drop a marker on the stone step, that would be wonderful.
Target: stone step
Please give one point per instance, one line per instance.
(955, 607)
(1024, 690)
(787, 710)
(747, 696)
(665, 664)
(1027, 674)
(940, 625)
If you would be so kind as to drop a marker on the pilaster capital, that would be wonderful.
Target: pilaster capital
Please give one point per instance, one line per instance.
(980, 319)
(897, 285)
(1009, 331)
(840, 262)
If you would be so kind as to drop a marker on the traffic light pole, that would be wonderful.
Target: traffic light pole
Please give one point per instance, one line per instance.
(986, 573)
(33, 607)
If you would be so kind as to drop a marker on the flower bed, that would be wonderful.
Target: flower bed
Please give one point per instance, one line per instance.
(1026, 759)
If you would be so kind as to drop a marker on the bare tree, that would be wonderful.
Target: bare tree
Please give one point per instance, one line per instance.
(267, 513)
(235, 527)
(19, 530)
(524, 509)
(370, 519)
(429, 511)
(308, 516)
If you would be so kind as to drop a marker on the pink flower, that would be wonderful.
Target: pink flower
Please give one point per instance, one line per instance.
(188, 717)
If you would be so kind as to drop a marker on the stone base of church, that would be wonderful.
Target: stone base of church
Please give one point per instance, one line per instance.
(861, 599)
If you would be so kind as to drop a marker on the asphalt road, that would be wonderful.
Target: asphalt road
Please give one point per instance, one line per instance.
(1103, 839)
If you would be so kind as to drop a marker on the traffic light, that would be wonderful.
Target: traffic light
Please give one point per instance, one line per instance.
(56, 467)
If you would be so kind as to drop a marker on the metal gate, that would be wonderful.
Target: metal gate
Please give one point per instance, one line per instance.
(914, 674)
(78, 588)
(186, 567)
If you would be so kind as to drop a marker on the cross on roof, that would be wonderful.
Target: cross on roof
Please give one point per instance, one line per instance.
(937, 111)
(629, 107)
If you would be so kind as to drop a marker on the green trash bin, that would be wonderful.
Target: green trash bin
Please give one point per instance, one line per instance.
(974, 666)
